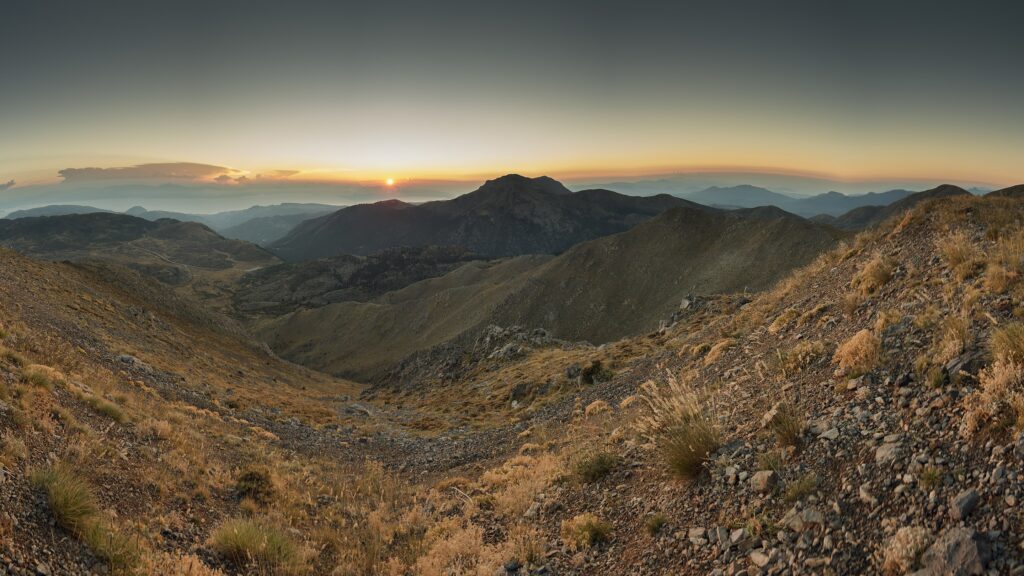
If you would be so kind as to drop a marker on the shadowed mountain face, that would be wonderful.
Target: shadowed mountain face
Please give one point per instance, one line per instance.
(598, 290)
(868, 216)
(508, 216)
(1016, 191)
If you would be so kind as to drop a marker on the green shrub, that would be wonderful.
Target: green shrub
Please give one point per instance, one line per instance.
(257, 484)
(592, 467)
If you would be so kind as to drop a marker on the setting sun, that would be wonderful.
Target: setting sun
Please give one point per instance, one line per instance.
(390, 181)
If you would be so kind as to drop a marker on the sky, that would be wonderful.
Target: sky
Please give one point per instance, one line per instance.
(340, 92)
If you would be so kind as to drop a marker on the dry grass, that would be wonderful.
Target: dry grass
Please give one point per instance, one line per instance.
(860, 354)
(516, 483)
(40, 375)
(590, 467)
(257, 484)
(801, 487)
(788, 425)
(873, 275)
(1007, 343)
(904, 548)
(596, 407)
(802, 355)
(716, 351)
(256, 544)
(999, 405)
(954, 338)
(959, 253)
(782, 321)
(584, 530)
(682, 425)
(74, 508)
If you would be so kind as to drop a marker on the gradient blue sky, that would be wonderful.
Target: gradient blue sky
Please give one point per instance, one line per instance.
(466, 90)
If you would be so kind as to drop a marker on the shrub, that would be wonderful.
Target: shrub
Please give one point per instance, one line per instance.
(154, 429)
(42, 376)
(245, 542)
(802, 355)
(107, 408)
(997, 279)
(903, 550)
(681, 424)
(256, 484)
(801, 487)
(592, 467)
(1007, 343)
(999, 405)
(931, 478)
(68, 495)
(12, 449)
(771, 460)
(782, 321)
(959, 254)
(788, 425)
(655, 522)
(584, 531)
(859, 354)
(873, 275)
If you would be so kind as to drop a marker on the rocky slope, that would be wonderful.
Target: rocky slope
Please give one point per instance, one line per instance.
(508, 216)
(865, 217)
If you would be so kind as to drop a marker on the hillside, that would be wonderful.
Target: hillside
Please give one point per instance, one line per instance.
(289, 286)
(508, 216)
(597, 291)
(186, 255)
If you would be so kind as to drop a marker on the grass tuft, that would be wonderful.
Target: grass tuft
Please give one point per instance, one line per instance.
(246, 543)
(584, 531)
(682, 425)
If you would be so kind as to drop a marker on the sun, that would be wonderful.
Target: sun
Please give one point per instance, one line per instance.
(390, 181)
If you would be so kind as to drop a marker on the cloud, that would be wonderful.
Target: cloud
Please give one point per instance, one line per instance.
(164, 171)
(275, 174)
(223, 179)
(6, 185)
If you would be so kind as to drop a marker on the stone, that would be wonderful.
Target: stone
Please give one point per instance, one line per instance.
(865, 495)
(954, 553)
(888, 452)
(696, 536)
(963, 504)
(832, 434)
(764, 481)
(759, 558)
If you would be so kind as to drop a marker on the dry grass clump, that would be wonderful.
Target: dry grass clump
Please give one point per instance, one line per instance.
(860, 354)
(153, 429)
(955, 336)
(682, 425)
(12, 449)
(592, 466)
(905, 548)
(873, 275)
(801, 487)
(999, 405)
(596, 407)
(1009, 252)
(584, 530)
(256, 484)
(716, 351)
(255, 544)
(799, 357)
(517, 482)
(74, 508)
(654, 523)
(997, 279)
(787, 424)
(1007, 343)
(40, 375)
(959, 253)
(107, 408)
(782, 321)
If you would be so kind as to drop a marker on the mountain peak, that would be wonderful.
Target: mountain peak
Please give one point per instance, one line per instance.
(516, 182)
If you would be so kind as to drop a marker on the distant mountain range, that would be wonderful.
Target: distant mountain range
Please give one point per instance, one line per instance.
(868, 216)
(507, 216)
(830, 203)
(257, 224)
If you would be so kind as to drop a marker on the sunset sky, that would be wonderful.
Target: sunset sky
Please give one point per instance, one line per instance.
(445, 89)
